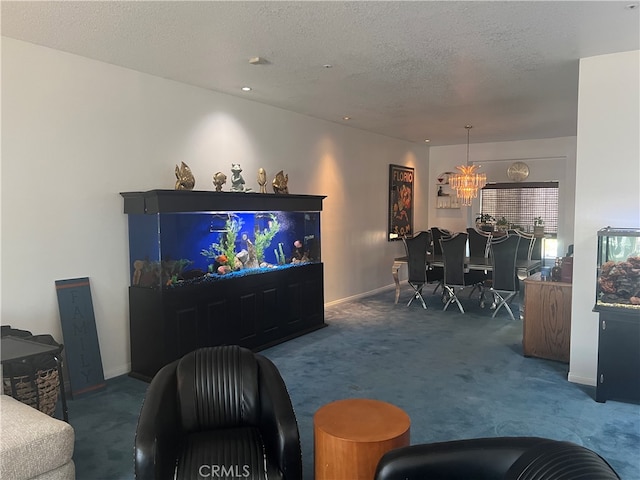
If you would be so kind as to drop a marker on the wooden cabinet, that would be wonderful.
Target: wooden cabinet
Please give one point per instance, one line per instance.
(618, 355)
(256, 311)
(546, 327)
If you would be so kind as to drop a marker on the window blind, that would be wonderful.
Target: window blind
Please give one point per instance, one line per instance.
(520, 203)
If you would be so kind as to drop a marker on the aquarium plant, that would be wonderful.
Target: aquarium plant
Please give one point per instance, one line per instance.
(227, 246)
(279, 253)
(263, 239)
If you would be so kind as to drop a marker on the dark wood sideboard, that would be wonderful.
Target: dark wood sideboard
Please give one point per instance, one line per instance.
(255, 311)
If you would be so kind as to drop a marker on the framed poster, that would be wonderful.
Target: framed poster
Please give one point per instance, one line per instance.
(400, 202)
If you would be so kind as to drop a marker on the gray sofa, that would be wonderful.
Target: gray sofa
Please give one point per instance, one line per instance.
(34, 445)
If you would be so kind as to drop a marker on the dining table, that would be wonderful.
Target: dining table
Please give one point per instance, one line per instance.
(524, 268)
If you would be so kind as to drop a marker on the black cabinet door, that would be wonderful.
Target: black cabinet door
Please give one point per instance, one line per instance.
(618, 357)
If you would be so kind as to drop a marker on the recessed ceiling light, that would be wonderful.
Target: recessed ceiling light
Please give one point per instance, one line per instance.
(426, 140)
(346, 118)
(246, 89)
(327, 65)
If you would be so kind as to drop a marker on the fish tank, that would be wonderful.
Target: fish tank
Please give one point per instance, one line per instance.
(184, 238)
(618, 273)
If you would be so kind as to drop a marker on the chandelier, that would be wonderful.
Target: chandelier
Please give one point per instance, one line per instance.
(468, 181)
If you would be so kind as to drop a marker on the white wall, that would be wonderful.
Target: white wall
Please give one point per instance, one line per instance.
(76, 132)
(607, 185)
(551, 159)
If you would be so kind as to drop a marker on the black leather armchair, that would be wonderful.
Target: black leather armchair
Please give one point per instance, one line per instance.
(505, 458)
(219, 412)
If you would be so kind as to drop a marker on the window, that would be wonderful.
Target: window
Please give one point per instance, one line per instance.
(520, 203)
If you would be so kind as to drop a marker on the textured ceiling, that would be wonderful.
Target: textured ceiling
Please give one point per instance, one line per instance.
(409, 70)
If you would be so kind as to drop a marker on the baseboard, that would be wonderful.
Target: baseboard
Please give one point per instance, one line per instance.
(591, 382)
(116, 372)
(361, 295)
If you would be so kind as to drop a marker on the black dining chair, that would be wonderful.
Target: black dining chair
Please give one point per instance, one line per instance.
(478, 242)
(416, 248)
(437, 273)
(525, 248)
(453, 255)
(436, 234)
(527, 243)
(478, 247)
(504, 284)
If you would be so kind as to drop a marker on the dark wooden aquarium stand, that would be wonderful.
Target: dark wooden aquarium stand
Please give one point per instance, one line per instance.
(255, 311)
(617, 289)
(618, 355)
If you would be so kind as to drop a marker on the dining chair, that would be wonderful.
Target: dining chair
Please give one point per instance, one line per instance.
(527, 243)
(436, 234)
(504, 284)
(478, 247)
(478, 242)
(525, 249)
(416, 249)
(453, 254)
(437, 273)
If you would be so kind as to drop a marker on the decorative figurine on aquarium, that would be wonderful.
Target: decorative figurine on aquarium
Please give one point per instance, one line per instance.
(185, 179)
(280, 183)
(219, 179)
(262, 180)
(237, 182)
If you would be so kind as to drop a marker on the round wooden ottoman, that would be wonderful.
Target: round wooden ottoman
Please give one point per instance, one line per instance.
(351, 436)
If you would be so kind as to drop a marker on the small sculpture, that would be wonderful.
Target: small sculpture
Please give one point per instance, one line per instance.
(262, 180)
(252, 261)
(299, 255)
(185, 179)
(237, 182)
(138, 267)
(219, 179)
(280, 183)
(242, 256)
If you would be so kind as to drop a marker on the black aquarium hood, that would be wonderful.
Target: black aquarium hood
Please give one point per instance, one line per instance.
(189, 201)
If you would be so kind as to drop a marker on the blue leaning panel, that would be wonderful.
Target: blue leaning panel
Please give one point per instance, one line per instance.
(80, 335)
